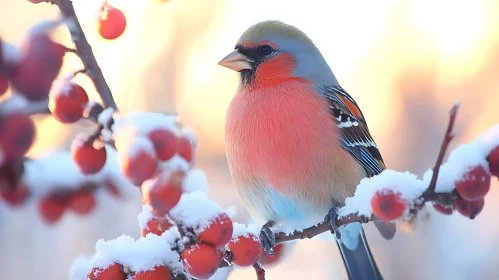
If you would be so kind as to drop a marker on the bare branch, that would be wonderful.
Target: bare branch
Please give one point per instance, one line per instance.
(260, 272)
(443, 149)
(84, 51)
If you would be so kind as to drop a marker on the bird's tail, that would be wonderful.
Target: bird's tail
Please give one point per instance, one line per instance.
(354, 250)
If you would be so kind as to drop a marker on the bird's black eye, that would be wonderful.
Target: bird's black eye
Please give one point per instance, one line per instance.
(266, 50)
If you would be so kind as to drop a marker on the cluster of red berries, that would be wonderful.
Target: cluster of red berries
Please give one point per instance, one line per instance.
(116, 271)
(20, 70)
(51, 206)
(471, 189)
(80, 200)
(199, 260)
(206, 243)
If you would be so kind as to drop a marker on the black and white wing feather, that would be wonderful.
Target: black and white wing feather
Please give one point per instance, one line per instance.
(356, 138)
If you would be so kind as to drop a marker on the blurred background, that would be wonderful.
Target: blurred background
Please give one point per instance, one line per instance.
(404, 61)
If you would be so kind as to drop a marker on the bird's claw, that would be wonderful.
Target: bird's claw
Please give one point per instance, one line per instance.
(331, 219)
(267, 239)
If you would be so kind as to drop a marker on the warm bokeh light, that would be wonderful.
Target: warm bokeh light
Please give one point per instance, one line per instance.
(404, 61)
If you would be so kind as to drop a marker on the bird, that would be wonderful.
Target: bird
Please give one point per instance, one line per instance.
(296, 142)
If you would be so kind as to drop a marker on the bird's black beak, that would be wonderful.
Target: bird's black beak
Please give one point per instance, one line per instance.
(236, 61)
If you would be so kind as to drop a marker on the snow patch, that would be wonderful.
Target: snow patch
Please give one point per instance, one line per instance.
(61, 86)
(144, 217)
(463, 158)
(244, 231)
(140, 255)
(405, 183)
(79, 268)
(145, 122)
(196, 210)
(195, 180)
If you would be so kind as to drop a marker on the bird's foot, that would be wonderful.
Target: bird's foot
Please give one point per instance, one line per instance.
(267, 238)
(331, 219)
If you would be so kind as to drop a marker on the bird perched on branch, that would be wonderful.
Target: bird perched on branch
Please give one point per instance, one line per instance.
(297, 143)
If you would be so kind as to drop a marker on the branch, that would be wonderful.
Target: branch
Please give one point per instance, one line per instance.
(428, 195)
(447, 139)
(84, 51)
(260, 272)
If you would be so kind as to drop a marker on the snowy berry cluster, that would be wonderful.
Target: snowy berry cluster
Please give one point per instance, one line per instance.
(197, 236)
(462, 184)
(30, 70)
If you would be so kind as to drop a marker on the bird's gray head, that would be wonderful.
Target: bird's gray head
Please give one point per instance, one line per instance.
(271, 51)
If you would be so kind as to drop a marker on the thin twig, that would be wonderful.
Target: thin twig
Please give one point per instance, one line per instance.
(70, 50)
(319, 228)
(443, 149)
(84, 51)
(81, 71)
(260, 272)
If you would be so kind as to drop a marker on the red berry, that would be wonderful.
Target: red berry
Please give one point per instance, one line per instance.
(112, 272)
(387, 205)
(494, 162)
(82, 201)
(165, 143)
(4, 82)
(88, 159)
(200, 260)
(218, 232)
(52, 207)
(474, 184)
(442, 209)
(16, 196)
(112, 23)
(11, 172)
(139, 167)
(267, 260)
(186, 149)
(163, 193)
(156, 226)
(68, 103)
(469, 209)
(37, 69)
(17, 134)
(245, 249)
(158, 273)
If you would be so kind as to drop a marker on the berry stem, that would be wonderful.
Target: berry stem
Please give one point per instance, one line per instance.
(260, 272)
(81, 71)
(84, 51)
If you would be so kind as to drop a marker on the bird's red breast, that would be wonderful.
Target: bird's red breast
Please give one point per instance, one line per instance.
(283, 135)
